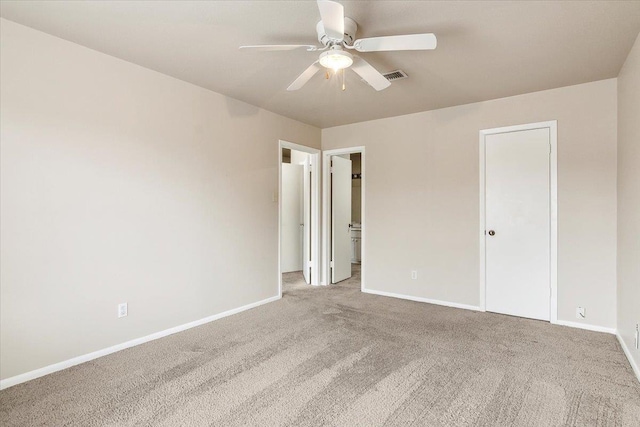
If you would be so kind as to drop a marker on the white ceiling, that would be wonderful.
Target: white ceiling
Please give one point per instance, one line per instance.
(486, 49)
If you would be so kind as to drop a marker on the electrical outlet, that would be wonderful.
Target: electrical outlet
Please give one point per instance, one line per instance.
(122, 309)
(637, 336)
(581, 313)
(414, 274)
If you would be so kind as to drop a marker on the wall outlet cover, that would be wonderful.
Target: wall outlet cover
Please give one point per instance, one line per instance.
(581, 313)
(122, 310)
(414, 274)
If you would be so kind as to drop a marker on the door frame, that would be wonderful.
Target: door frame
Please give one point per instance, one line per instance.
(316, 244)
(552, 125)
(326, 212)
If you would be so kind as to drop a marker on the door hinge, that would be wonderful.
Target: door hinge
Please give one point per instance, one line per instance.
(331, 264)
(331, 169)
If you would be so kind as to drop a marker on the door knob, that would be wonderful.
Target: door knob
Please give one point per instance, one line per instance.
(492, 233)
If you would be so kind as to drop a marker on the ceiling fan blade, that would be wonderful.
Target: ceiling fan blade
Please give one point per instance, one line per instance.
(408, 42)
(273, 47)
(304, 77)
(332, 15)
(369, 74)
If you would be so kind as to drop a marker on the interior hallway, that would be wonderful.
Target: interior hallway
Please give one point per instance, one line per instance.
(294, 281)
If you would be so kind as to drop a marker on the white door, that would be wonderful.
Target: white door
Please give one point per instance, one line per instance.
(340, 218)
(517, 223)
(306, 221)
(291, 258)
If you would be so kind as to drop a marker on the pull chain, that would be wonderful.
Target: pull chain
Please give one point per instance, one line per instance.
(344, 86)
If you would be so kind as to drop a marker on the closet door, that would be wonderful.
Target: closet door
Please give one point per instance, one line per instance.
(517, 225)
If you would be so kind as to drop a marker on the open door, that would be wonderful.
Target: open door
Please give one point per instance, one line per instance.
(306, 221)
(291, 257)
(340, 219)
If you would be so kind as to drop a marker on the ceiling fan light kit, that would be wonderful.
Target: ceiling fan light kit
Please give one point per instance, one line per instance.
(337, 33)
(336, 58)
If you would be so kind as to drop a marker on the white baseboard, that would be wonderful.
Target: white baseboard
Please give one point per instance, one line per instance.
(27, 376)
(420, 299)
(578, 325)
(627, 352)
(586, 326)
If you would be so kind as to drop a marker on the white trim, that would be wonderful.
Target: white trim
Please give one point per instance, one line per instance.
(627, 352)
(553, 210)
(37, 373)
(594, 328)
(326, 212)
(576, 325)
(586, 326)
(316, 244)
(420, 299)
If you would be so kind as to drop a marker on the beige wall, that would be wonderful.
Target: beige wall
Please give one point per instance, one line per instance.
(629, 199)
(121, 184)
(422, 196)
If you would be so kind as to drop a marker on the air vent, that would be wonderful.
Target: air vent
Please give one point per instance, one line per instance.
(392, 76)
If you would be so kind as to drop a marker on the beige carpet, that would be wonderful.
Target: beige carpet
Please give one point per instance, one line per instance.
(334, 356)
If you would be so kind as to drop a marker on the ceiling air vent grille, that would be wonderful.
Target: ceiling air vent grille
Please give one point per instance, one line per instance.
(392, 76)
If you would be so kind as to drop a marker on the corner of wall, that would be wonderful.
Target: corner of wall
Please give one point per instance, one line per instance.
(628, 206)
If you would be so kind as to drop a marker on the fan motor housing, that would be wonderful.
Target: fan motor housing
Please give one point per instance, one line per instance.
(350, 28)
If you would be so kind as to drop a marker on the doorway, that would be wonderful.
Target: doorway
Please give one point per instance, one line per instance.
(298, 214)
(518, 220)
(344, 216)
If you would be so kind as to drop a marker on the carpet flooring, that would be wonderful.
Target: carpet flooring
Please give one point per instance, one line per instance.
(337, 357)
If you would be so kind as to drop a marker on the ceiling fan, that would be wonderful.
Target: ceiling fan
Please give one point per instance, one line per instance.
(336, 33)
